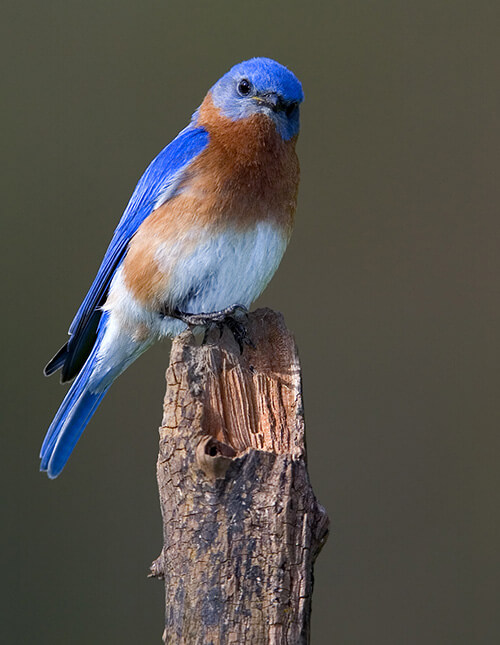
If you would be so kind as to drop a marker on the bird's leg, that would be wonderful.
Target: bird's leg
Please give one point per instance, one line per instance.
(202, 319)
(220, 318)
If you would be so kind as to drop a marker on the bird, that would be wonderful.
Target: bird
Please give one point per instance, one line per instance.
(200, 238)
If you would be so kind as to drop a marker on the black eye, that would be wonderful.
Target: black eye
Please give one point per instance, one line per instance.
(290, 109)
(244, 87)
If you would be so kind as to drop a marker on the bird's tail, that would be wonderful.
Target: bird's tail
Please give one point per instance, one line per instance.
(83, 398)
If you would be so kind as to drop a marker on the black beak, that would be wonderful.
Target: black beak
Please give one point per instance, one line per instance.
(272, 101)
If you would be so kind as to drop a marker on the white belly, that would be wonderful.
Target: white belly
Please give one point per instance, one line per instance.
(229, 268)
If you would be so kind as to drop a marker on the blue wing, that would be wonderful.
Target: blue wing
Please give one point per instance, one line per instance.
(158, 184)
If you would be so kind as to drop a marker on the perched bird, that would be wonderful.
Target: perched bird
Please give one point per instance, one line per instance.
(200, 238)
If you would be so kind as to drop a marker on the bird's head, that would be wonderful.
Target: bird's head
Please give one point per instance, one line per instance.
(260, 86)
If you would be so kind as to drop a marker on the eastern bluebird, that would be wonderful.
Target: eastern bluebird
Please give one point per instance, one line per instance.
(201, 236)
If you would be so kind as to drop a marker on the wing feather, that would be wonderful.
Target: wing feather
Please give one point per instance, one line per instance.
(157, 185)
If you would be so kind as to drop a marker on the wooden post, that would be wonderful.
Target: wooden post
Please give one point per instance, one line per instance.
(241, 524)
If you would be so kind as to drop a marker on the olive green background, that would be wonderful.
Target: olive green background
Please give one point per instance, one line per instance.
(390, 285)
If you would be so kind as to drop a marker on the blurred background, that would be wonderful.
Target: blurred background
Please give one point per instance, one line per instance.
(390, 285)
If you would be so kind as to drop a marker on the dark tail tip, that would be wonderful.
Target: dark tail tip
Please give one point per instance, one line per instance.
(57, 361)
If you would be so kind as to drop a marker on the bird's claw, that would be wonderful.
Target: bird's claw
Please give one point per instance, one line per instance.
(240, 333)
(224, 317)
(203, 319)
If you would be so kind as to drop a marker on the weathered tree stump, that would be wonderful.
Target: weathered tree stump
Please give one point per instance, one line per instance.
(242, 526)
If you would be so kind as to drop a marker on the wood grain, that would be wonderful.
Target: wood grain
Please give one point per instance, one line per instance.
(242, 526)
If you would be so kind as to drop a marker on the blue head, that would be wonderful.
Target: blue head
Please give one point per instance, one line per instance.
(261, 86)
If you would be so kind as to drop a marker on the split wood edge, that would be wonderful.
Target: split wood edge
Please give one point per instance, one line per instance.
(242, 527)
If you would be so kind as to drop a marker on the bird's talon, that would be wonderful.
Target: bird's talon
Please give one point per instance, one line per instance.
(240, 333)
(202, 319)
(224, 317)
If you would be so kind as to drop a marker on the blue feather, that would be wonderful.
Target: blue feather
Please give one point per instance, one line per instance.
(73, 415)
(80, 403)
(158, 184)
(103, 343)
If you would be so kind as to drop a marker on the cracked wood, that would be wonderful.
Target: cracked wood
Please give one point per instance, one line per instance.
(242, 526)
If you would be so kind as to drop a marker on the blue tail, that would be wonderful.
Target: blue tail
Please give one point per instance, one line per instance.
(75, 412)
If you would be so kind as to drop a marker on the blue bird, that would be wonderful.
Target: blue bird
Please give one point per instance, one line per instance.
(202, 235)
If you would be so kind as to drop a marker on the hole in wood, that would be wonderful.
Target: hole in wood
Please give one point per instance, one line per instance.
(215, 448)
(214, 457)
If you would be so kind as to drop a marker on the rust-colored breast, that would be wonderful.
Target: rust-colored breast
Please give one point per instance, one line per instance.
(246, 174)
(250, 173)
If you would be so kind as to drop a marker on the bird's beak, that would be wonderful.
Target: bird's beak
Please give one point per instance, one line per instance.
(271, 100)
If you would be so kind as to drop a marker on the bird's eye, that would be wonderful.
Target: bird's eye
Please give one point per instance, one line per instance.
(244, 87)
(290, 109)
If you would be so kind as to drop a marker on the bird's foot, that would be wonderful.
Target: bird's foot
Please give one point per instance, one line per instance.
(239, 330)
(229, 317)
(204, 319)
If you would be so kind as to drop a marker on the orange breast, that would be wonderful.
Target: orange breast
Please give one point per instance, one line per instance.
(246, 174)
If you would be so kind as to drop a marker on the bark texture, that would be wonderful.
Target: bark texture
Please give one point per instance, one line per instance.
(242, 526)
